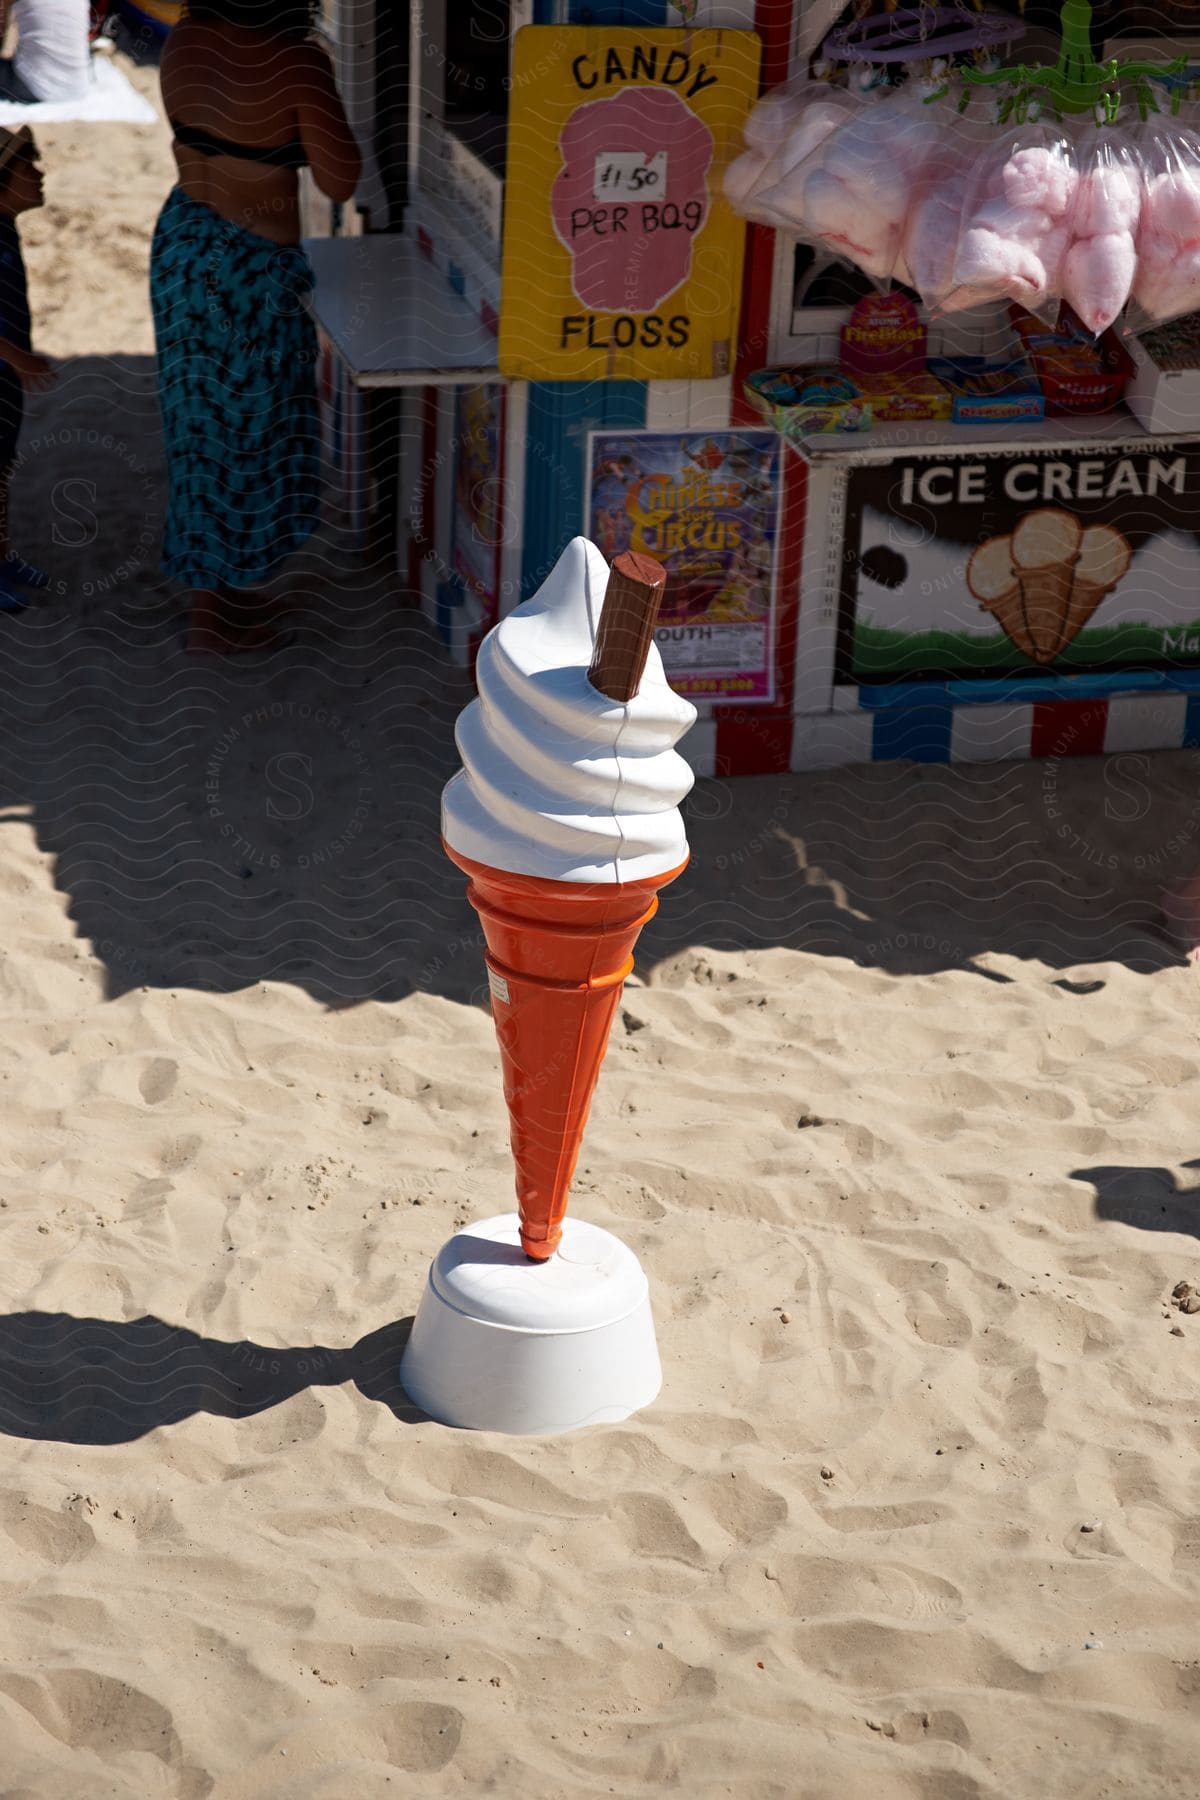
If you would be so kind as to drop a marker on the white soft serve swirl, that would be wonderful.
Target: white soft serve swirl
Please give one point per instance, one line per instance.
(557, 780)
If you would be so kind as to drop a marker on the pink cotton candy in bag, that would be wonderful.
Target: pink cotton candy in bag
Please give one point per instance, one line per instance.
(929, 243)
(1101, 262)
(770, 121)
(778, 112)
(1016, 223)
(858, 192)
(1167, 282)
(811, 115)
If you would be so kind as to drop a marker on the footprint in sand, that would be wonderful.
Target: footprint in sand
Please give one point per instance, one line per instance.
(1022, 1394)
(741, 1507)
(651, 1526)
(499, 1479)
(93, 1712)
(901, 1517)
(417, 1737)
(913, 1727)
(819, 1587)
(179, 1152)
(298, 1421)
(933, 1316)
(157, 1081)
(657, 1678)
(480, 1582)
(1187, 1546)
(56, 1536)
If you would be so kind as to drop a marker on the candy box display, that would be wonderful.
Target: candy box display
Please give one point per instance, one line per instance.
(904, 399)
(810, 399)
(989, 393)
(883, 336)
(1077, 372)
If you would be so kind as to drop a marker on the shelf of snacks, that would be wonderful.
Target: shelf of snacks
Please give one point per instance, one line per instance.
(884, 381)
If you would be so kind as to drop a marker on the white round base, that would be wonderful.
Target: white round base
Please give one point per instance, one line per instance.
(501, 1343)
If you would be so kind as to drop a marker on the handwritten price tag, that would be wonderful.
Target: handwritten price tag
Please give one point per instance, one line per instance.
(621, 173)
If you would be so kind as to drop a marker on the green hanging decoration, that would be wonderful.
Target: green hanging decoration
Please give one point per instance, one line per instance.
(1076, 83)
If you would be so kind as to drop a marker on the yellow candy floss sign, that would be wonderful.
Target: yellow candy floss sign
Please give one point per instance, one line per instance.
(622, 258)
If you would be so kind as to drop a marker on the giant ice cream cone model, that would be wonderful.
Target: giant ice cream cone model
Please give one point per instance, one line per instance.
(565, 820)
(558, 955)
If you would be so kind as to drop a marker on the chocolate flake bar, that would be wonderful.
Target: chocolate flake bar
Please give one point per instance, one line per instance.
(636, 585)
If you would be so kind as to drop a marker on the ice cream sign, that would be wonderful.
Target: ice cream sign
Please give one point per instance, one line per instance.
(621, 257)
(1023, 562)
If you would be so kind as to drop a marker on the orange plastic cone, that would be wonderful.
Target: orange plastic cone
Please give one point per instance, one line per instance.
(558, 953)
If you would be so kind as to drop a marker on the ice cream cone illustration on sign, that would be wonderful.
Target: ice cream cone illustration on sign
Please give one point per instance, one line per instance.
(1045, 550)
(565, 818)
(1104, 558)
(1043, 583)
(992, 579)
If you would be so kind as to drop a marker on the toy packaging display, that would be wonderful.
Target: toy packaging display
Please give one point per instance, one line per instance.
(810, 399)
(908, 399)
(1076, 373)
(883, 348)
(1054, 370)
(884, 335)
(987, 393)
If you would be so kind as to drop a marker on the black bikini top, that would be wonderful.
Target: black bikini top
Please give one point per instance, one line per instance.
(282, 156)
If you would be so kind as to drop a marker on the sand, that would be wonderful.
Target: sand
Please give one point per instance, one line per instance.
(901, 1118)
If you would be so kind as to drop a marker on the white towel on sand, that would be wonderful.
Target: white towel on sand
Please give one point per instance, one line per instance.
(111, 96)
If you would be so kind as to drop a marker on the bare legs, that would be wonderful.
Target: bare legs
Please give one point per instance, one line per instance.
(10, 599)
(1181, 908)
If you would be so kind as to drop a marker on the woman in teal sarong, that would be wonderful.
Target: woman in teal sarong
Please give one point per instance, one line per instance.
(251, 99)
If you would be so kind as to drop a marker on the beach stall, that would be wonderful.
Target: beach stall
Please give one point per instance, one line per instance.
(534, 356)
(1000, 554)
(582, 330)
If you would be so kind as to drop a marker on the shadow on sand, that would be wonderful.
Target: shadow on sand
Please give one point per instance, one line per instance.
(93, 1381)
(1150, 1199)
(221, 822)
